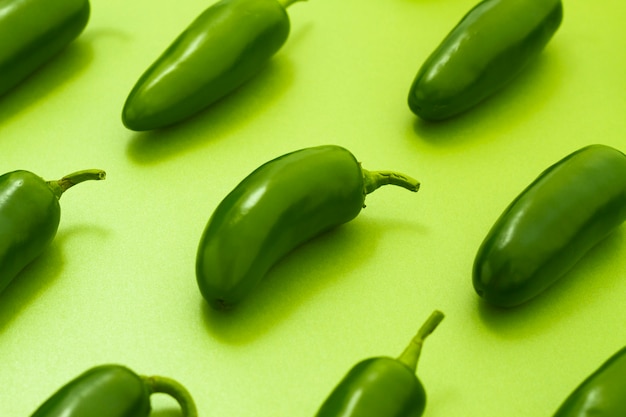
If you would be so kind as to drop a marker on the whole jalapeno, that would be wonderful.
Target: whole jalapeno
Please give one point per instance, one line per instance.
(550, 226)
(224, 47)
(486, 50)
(601, 394)
(29, 216)
(113, 391)
(383, 386)
(33, 31)
(279, 206)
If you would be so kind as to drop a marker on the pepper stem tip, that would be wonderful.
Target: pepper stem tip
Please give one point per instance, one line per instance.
(372, 180)
(60, 186)
(411, 353)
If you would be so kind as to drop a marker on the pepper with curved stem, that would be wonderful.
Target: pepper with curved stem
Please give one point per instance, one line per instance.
(113, 391)
(30, 214)
(282, 204)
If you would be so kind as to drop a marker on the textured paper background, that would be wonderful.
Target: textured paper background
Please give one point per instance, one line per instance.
(118, 284)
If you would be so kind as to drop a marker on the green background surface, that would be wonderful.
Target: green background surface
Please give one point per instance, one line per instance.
(118, 283)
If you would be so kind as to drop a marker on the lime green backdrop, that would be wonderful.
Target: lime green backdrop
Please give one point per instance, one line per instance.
(118, 283)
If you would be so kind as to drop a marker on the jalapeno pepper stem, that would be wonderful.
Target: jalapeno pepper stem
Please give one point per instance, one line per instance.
(173, 388)
(411, 354)
(60, 186)
(287, 3)
(372, 180)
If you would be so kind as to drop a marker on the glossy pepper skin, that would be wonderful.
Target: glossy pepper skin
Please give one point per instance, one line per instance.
(33, 31)
(279, 206)
(224, 47)
(550, 226)
(29, 216)
(487, 49)
(113, 391)
(601, 394)
(383, 386)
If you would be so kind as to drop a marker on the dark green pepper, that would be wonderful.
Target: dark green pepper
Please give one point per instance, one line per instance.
(279, 206)
(541, 235)
(33, 31)
(113, 391)
(383, 386)
(30, 215)
(224, 47)
(487, 49)
(601, 394)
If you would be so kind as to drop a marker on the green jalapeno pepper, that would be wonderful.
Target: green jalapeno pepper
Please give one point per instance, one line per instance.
(383, 386)
(489, 47)
(33, 31)
(541, 235)
(30, 215)
(279, 206)
(601, 394)
(113, 391)
(224, 47)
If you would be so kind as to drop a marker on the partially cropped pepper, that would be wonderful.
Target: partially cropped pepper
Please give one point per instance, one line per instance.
(224, 47)
(282, 204)
(113, 391)
(484, 52)
(383, 386)
(601, 394)
(551, 225)
(29, 216)
(34, 31)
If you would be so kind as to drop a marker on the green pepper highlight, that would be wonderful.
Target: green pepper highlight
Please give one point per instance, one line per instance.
(224, 47)
(113, 391)
(29, 216)
(482, 54)
(279, 206)
(551, 225)
(34, 31)
(383, 386)
(601, 394)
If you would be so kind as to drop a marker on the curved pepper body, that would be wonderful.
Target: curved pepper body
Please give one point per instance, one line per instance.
(29, 219)
(601, 394)
(558, 218)
(107, 390)
(280, 205)
(33, 31)
(376, 387)
(482, 54)
(29, 216)
(225, 46)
